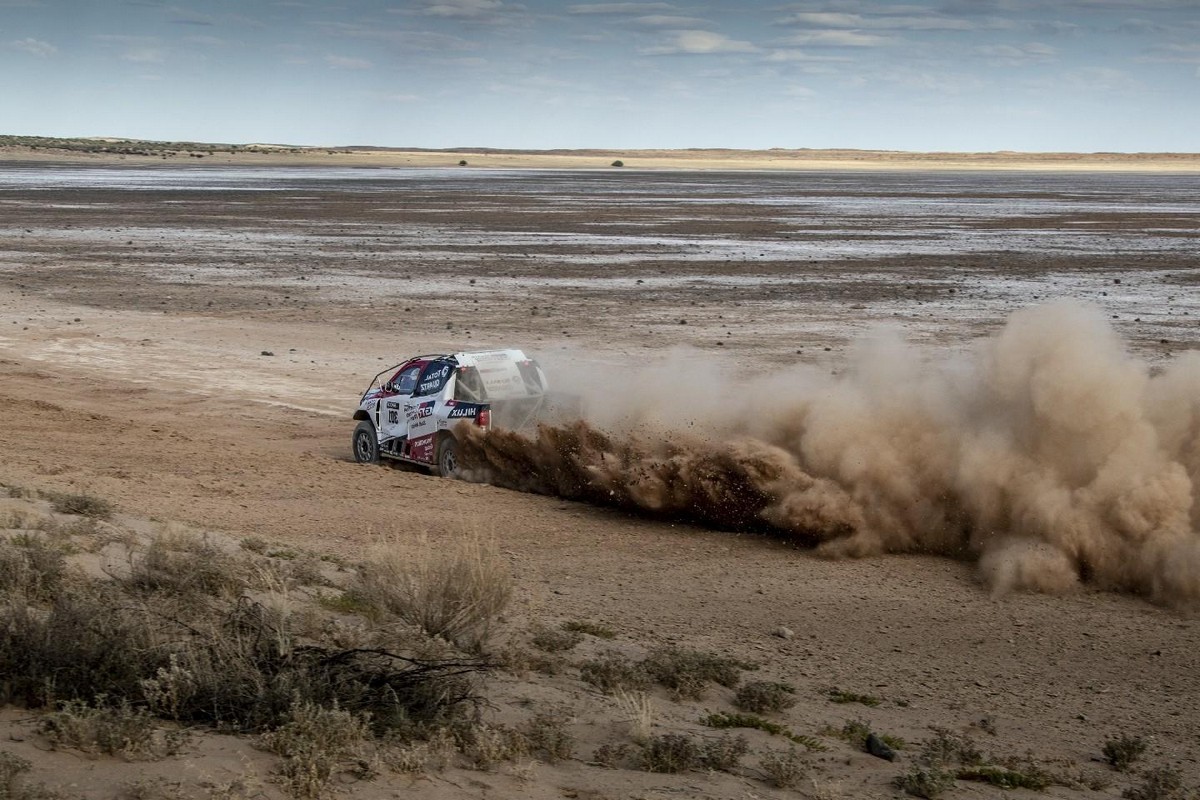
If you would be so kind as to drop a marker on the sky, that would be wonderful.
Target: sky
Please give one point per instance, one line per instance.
(958, 75)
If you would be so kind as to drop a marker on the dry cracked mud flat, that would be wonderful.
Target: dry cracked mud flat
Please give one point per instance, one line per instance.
(137, 305)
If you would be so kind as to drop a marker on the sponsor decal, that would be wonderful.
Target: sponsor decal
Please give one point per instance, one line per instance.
(461, 411)
(393, 416)
(422, 449)
(392, 405)
(420, 411)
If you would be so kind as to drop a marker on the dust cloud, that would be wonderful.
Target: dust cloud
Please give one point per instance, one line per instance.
(1046, 453)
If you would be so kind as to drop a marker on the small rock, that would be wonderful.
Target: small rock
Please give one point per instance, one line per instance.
(783, 632)
(266, 353)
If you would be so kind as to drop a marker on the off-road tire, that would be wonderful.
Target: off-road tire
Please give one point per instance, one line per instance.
(365, 444)
(446, 465)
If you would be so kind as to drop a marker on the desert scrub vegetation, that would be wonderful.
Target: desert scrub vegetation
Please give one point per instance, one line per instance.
(760, 697)
(83, 504)
(783, 769)
(843, 696)
(117, 729)
(191, 634)
(1121, 752)
(315, 744)
(613, 672)
(1161, 783)
(726, 720)
(926, 782)
(677, 752)
(453, 592)
(552, 641)
(589, 629)
(685, 673)
(12, 780)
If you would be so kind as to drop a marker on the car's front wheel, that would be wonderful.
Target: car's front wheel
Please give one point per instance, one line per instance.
(447, 457)
(365, 443)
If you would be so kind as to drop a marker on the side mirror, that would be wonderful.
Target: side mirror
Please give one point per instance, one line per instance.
(387, 387)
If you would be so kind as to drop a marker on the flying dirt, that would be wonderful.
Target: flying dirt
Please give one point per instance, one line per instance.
(1046, 453)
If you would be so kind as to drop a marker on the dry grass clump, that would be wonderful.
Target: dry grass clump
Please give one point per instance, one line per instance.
(29, 568)
(455, 592)
(186, 566)
(760, 697)
(947, 748)
(486, 746)
(82, 504)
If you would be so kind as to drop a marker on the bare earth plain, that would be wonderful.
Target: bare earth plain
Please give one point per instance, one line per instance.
(188, 341)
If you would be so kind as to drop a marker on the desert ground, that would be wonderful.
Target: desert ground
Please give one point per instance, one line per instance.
(187, 341)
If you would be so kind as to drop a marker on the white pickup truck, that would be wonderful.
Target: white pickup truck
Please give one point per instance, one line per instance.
(410, 410)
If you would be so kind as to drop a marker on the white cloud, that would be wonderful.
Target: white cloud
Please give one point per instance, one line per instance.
(799, 56)
(619, 8)
(346, 62)
(799, 91)
(1012, 55)
(144, 55)
(893, 19)
(669, 21)
(463, 9)
(699, 43)
(35, 47)
(836, 39)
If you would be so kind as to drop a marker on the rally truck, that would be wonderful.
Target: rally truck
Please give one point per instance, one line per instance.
(410, 411)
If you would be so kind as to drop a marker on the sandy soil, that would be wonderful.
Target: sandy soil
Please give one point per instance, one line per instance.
(133, 326)
(692, 159)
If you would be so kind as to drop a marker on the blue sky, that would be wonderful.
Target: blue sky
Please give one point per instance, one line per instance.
(1074, 75)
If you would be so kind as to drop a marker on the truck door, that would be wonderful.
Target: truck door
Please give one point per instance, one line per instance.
(421, 410)
(393, 421)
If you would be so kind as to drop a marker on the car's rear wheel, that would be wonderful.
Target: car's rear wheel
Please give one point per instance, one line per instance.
(447, 457)
(365, 443)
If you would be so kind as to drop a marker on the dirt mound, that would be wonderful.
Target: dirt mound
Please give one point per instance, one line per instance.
(1048, 453)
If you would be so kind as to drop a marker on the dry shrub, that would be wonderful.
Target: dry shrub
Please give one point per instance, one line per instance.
(547, 736)
(1122, 751)
(186, 566)
(455, 593)
(671, 752)
(688, 672)
(784, 768)
(762, 696)
(947, 748)
(315, 744)
(83, 504)
(925, 783)
(31, 569)
(614, 672)
(638, 712)
(112, 730)
(486, 746)
(552, 641)
(13, 785)
(1160, 783)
